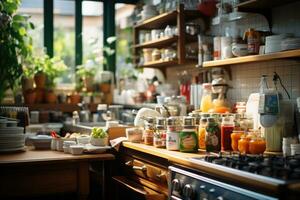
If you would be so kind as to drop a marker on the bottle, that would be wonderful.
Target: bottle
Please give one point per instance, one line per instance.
(202, 132)
(188, 137)
(212, 136)
(206, 101)
(253, 41)
(159, 139)
(227, 127)
(172, 142)
(149, 131)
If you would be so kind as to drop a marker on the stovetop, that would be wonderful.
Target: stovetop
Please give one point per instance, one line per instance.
(277, 167)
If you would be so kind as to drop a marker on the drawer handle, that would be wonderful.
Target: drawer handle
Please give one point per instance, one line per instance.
(128, 163)
(142, 168)
(160, 175)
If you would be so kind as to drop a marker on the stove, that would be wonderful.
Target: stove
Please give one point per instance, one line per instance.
(236, 176)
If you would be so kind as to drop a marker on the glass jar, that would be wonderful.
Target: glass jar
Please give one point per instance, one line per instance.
(235, 136)
(172, 141)
(243, 145)
(206, 101)
(257, 145)
(202, 132)
(156, 55)
(212, 136)
(188, 136)
(227, 127)
(159, 139)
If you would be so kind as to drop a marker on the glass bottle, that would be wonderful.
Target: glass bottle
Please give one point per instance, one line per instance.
(149, 131)
(206, 101)
(188, 136)
(212, 136)
(227, 127)
(172, 142)
(159, 139)
(202, 132)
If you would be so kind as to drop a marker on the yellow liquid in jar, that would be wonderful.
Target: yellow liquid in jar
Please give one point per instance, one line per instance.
(201, 138)
(206, 103)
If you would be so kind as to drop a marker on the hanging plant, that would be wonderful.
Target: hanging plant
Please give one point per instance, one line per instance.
(15, 44)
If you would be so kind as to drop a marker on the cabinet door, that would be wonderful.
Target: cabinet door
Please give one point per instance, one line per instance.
(130, 190)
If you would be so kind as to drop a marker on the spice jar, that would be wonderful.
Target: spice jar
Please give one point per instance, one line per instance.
(202, 132)
(159, 139)
(257, 145)
(149, 131)
(172, 142)
(156, 55)
(212, 136)
(235, 136)
(243, 144)
(188, 136)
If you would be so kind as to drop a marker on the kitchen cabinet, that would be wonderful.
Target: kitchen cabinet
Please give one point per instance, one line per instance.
(177, 18)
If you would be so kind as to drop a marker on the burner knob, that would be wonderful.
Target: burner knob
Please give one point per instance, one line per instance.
(176, 185)
(188, 191)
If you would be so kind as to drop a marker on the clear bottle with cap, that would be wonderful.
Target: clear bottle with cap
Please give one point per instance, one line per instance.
(172, 140)
(188, 136)
(212, 136)
(149, 131)
(227, 127)
(159, 139)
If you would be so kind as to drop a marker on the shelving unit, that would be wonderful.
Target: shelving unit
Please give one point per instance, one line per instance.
(254, 58)
(64, 107)
(174, 18)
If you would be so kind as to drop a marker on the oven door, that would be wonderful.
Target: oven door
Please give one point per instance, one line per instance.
(131, 190)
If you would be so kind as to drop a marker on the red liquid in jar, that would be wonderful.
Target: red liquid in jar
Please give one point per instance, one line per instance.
(225, 137)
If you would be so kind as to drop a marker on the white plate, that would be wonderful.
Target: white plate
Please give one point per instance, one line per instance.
(11, 130)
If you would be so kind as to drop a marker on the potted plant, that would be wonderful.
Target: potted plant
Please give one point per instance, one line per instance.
(15, 44)
(30, 96)
(27, 81)
(99, 137)
(39, 75)
(86, 74)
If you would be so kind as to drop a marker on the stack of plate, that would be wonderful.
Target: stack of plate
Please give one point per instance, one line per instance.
(273, 42)
(290, 43)
(11, 139)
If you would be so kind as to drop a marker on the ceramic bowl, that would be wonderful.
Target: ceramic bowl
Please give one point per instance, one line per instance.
(76, 149)
(239, 50)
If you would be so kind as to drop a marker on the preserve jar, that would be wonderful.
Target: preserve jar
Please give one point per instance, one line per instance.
(235, 136)
(202, 133)
(257, 145)
(243, 145)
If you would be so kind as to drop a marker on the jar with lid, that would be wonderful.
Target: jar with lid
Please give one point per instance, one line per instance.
(227, 127)
(206, 101)
(243, 144)
(202, 132)
(149, 131)
(172, 140)
(212, 136)
(257, 145)
(159, 139)
(235, 137)
(156, 55)
(188, 136)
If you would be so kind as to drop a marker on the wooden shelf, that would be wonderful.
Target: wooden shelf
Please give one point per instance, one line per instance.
(163, 42)
(160, 21)
(254, 58)
(158, 64)
(263, 4)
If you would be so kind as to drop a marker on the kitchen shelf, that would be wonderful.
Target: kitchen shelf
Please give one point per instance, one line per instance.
(159, 21)
(158, 64)
(64, 107)
(263, 4)
(163, 42)
(254, 58)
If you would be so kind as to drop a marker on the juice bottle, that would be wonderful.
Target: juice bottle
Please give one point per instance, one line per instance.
(206, 101)
(227, 127)
(202, 132)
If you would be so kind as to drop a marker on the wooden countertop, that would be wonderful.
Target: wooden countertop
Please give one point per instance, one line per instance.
(48, 156)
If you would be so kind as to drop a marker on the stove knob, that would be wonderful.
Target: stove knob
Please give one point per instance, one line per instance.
(188, 191)
(176, 185)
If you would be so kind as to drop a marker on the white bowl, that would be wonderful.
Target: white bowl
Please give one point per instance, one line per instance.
(240, 50)
(99, 141)
(84, 139)
(76, 149)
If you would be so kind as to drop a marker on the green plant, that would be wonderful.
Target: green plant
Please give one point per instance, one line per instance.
(54, 68)
(99, 133)
(15, 44)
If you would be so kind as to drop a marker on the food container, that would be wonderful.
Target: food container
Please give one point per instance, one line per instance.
(243, 145)
(235, 137)
(147, 55)
(239, 50)
(156, 55)
(257, 145)
(76, 149)
(99, 141)
(134, 134)
(41, 141)
(60, 143)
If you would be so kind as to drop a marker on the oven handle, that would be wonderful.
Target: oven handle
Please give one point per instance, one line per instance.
(142, 168)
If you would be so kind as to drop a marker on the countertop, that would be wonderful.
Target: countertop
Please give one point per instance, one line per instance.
(48, 156)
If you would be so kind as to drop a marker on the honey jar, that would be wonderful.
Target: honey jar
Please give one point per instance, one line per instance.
(257, 145)
(235, 136)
